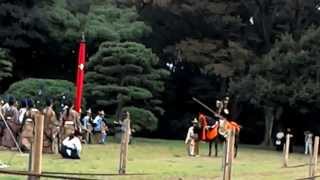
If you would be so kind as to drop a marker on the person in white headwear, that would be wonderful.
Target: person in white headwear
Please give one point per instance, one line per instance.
(192, 139)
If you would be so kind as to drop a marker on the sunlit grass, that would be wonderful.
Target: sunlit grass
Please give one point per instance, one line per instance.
(166, 159)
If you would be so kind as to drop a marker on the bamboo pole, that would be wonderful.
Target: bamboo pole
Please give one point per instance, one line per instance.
(223, 159)
(286, 151)
(228, 156)
(314, 161)
(124, 146)
(231, 155)
(37, 147)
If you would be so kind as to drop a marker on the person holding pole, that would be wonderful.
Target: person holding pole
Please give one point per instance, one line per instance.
(11, 115)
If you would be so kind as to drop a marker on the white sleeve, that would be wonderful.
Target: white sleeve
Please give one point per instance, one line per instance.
(77, 143)
(95, 119)
(188, 135)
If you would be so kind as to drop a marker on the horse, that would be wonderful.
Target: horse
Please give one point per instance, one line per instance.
(215, 130)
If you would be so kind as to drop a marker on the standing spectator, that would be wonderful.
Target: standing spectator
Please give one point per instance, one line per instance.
(86, 126)
(192, 139)
(98, 127)
(104, 130)
(308, 142)
(280, 139)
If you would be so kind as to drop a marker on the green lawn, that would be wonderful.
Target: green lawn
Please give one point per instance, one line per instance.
(166, 159)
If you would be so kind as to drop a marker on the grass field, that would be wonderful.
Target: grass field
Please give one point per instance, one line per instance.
(166, 159)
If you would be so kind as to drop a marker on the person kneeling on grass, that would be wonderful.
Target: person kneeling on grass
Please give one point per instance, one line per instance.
(71, 147)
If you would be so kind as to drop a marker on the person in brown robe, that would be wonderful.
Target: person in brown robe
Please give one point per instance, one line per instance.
(70, 121)
(51, 129)
(28, 124)
(11, 116)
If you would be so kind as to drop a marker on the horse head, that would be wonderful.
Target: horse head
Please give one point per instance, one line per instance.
(206, 120)
(202, 120)
(208, 130)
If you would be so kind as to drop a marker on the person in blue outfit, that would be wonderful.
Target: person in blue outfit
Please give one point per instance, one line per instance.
(87, 127)
(100, 127)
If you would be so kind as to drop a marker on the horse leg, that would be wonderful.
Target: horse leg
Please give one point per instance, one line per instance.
(235, 147)
(216, 148)
(210, 146)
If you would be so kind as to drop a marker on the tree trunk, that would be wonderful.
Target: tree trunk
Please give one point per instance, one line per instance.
(269, 120)
(119, 107)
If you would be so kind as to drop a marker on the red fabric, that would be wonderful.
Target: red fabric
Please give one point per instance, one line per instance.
(80, 76)
(206, 134)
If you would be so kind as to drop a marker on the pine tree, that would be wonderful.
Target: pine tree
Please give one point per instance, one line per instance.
(126, 75)
(5, 64)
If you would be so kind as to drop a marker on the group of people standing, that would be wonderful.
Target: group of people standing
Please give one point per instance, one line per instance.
(17, 126)
(280, 140)
(62, 134)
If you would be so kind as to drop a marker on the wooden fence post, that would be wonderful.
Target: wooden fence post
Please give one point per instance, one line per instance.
(228, 155)
(224, 155)
(314, 159)
(286, 151)
(124, 145)
(231, 153)
(36, 158)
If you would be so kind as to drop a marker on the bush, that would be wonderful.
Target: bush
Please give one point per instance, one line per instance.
(40, 89)
(142, 119)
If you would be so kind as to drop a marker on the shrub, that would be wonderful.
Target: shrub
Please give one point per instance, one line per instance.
(40, 89)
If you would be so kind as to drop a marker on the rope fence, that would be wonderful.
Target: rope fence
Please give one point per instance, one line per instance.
(66, 175)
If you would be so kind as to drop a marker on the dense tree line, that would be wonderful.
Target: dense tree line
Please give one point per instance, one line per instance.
(262, 53)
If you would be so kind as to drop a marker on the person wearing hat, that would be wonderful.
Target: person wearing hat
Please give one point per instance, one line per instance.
(192, 139)
(86, 126)
(99, 127)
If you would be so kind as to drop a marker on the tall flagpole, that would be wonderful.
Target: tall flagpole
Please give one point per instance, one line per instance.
(80, 74)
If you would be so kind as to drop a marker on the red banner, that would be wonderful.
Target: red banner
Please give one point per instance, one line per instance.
(80, 75)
